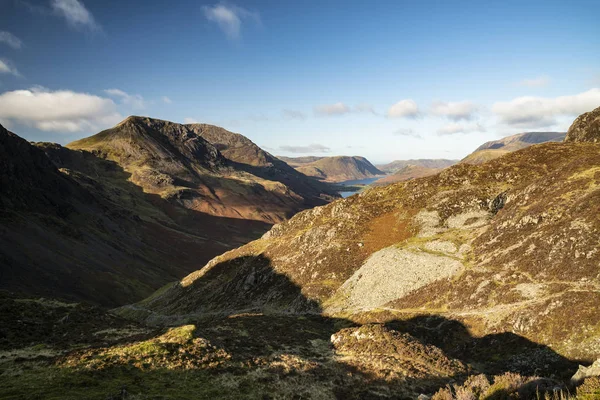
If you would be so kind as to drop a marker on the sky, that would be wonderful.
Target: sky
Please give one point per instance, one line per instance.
(382, 79)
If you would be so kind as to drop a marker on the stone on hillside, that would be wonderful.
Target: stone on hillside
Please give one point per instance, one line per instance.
(586, 372)
(586, 128)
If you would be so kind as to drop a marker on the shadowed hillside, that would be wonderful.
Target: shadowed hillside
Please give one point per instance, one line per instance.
(74, 226)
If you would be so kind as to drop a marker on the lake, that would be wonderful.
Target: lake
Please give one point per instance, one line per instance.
(357, 182)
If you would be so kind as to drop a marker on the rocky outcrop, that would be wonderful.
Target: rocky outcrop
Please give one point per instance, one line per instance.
(586, 128)
(586, 372)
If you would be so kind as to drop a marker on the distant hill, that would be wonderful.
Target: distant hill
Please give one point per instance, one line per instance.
(498, 148)
(179, 163)
(407, 173)
(298, 161)
(397, 165)
(335, 169)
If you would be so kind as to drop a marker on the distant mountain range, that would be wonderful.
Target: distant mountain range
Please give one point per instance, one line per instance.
(435, 163)
(407, 173)
(498, 148)
(334, 169)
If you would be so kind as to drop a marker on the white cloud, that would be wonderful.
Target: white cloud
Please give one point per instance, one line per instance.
(75, 13)
(10, 39)
(311, 148)
(166, 100)
(293, 114)
(229, 18)
(404, 109)
(133, 100)
(61, 110)
(332, 109)
(453, 128)
(537, 112)
(407, 132)
(190, 120)
(454, 110)
(540, 81)
(7, 68)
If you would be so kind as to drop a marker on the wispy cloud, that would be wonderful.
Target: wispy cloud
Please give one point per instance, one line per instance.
(332, 109)
(365, 108)
(230, 17)
(10, 39)
(453, 128)
(407, 132)
(190, 120)
(340, 108)
(58, 111)
(6, 67)
(166, 100)
(293, 114)
(75, 13)
(133, 100)
(311, 148)
(406, 108)
(540, 81)
(454, 110)
(538, 112)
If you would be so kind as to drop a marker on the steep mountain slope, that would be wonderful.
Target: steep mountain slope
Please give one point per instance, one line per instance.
(340, 169)
(247, 156)
(85, 232)
(407, 173)
(175, 162)
(498, 148)
(508, 246)
(397, 165)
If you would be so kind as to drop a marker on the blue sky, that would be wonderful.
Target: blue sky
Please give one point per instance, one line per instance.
(383, 79)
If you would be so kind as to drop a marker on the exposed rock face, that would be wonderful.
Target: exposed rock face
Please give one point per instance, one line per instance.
(586, 128)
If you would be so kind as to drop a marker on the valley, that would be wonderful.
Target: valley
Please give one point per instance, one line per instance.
(397, 292)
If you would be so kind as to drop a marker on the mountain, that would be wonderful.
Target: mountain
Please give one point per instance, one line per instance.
(505, 249)
(177, 163)
(336, 169)
(397, 165)
(248, 157)
(498, 148)
(73, 226)
(298, 161)
(479, 282)
(407, 173)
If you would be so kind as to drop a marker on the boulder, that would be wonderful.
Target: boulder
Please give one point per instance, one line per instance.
(586, 372)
